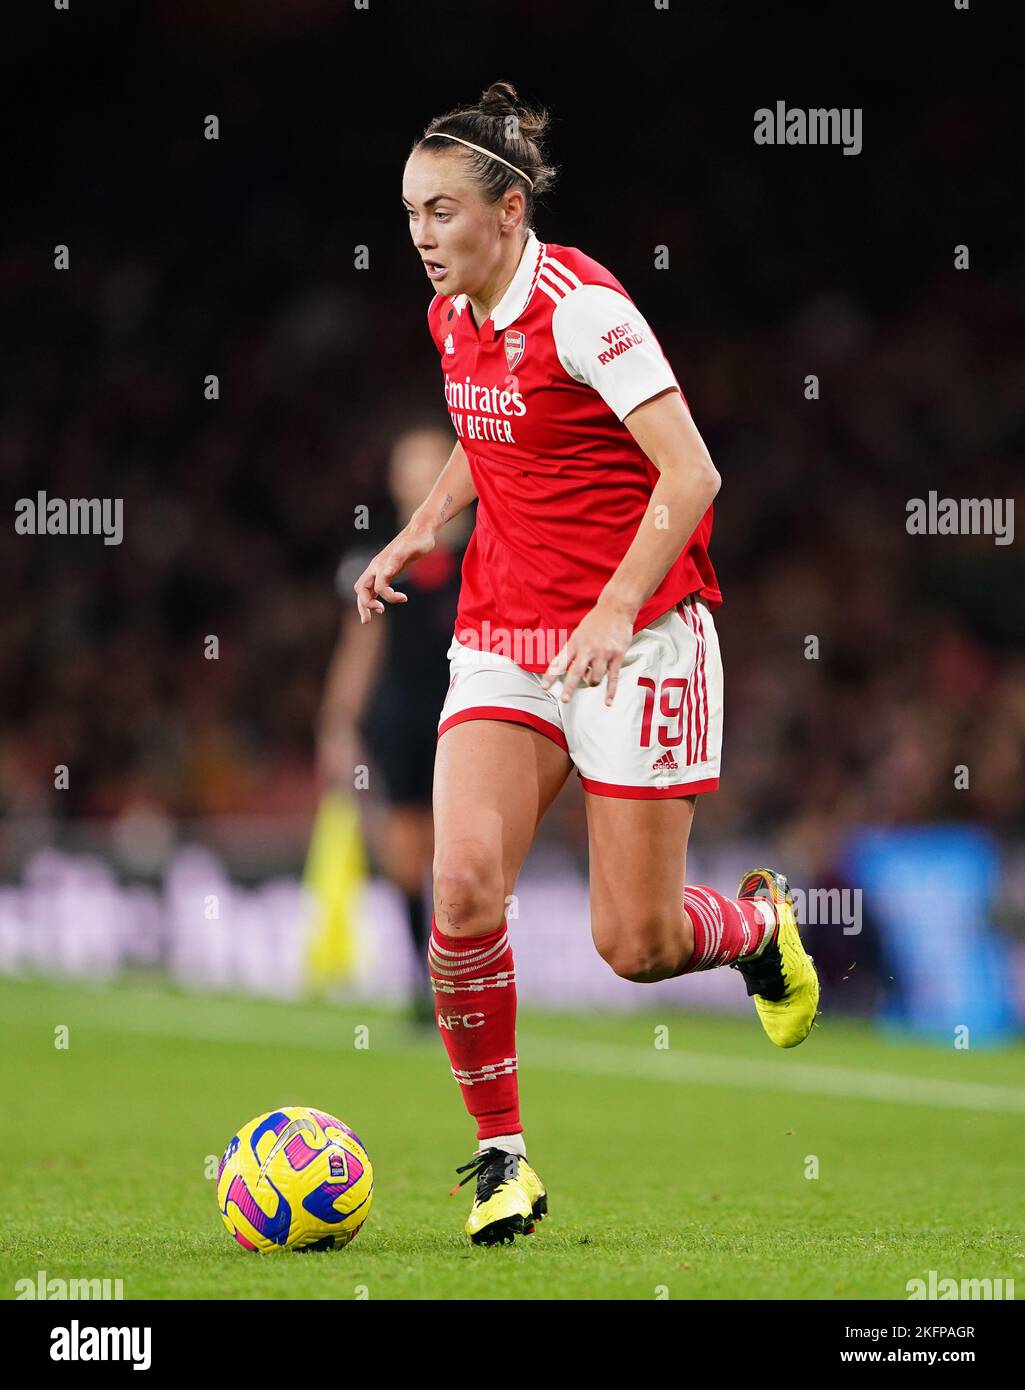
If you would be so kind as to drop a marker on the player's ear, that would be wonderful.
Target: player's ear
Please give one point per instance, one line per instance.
(513, 208)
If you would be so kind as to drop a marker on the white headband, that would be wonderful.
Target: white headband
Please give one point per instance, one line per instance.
(480, 148)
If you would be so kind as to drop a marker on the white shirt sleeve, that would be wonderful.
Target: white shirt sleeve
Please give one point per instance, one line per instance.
(603, 341)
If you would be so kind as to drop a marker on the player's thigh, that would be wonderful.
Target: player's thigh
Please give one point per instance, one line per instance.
(638, 868)
(493, 783)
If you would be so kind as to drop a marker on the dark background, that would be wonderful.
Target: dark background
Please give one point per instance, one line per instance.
(235, 257)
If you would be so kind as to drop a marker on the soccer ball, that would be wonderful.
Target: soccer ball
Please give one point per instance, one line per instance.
(294, 1179)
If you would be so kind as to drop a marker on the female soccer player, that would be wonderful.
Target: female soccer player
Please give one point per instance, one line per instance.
(584, 634)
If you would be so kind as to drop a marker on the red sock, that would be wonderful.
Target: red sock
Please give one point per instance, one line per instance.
(724, 928)
(475, 1006)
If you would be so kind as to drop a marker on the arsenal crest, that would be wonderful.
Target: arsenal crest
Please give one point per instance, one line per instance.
(514, 345)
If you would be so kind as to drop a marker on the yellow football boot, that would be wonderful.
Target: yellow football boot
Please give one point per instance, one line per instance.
(510, 1197)
(782, 979)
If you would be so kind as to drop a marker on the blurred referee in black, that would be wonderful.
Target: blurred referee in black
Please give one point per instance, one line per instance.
(384, 690)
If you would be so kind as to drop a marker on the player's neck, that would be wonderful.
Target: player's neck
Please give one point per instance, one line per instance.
(491, 294)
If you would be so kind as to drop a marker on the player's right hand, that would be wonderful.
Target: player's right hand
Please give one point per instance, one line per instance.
(374, 583)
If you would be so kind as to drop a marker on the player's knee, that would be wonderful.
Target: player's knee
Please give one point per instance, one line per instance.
(468, 895)
(644, 958)
(643, 968)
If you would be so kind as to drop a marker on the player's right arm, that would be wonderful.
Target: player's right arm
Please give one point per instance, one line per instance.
(452, 492)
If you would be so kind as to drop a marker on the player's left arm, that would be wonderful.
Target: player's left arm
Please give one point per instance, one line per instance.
(638, 385)
(687, 483)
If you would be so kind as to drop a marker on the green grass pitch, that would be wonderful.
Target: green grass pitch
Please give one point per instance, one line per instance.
(675, 1171)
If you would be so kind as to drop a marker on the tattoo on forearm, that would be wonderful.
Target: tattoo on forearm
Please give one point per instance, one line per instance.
(445, 506)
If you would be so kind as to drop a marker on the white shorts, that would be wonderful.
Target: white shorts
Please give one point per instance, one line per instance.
(662, 734)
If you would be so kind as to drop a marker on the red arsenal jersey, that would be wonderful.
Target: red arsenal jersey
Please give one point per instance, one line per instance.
(538, 397)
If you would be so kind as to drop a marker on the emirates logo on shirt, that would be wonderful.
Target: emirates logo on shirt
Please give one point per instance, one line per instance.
(514, 345)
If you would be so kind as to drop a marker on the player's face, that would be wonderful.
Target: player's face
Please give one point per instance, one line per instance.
(454, 231)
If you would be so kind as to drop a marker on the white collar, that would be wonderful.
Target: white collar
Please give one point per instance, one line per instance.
(521, 286)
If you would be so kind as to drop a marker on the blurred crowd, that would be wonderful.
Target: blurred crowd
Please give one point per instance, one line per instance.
(238, 509)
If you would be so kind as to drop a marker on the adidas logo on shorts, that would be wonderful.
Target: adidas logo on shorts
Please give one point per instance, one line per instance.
(667, 763)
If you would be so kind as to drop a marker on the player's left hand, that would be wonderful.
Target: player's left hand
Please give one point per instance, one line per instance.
(595, 650)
